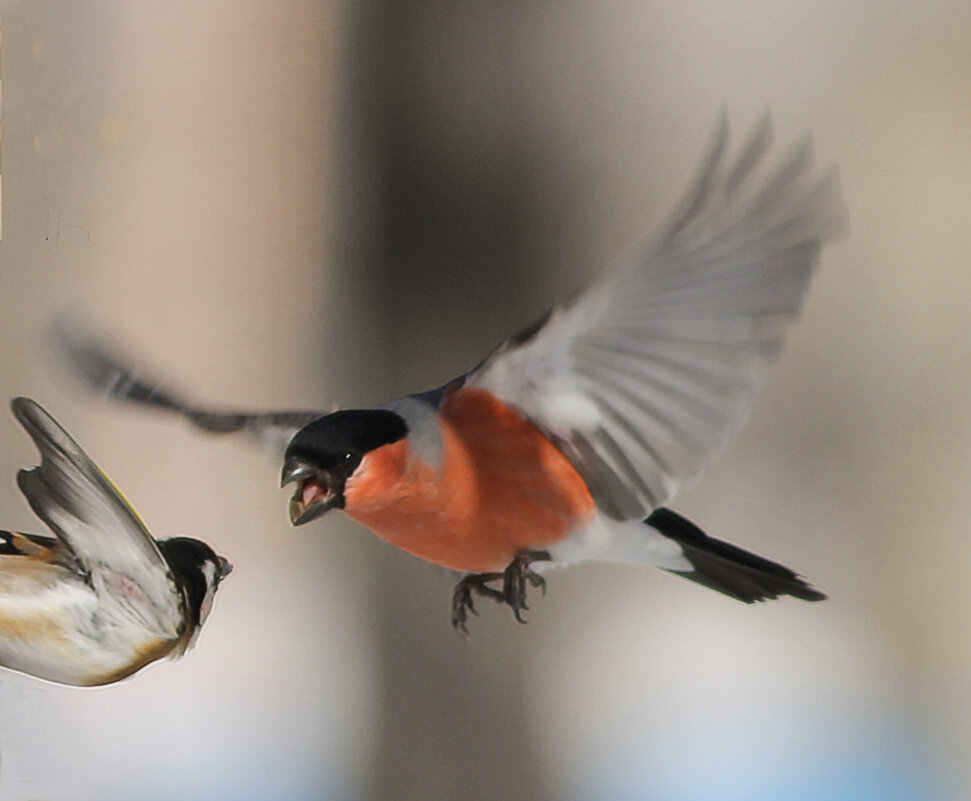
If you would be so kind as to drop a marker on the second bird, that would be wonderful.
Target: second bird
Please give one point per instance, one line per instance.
(101, 599)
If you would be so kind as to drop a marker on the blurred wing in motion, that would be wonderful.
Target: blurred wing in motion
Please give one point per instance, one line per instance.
(643, 377)
(104, 534)
(111, 376)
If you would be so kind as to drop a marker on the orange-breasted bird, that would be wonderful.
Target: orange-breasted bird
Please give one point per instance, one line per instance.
(565, 444)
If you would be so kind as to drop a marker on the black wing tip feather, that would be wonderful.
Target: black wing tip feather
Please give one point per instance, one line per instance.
(50, 438)
(110, 372)
(727, 568)
(102, 367)
(43, 429)
(27, 411)
(59, 454)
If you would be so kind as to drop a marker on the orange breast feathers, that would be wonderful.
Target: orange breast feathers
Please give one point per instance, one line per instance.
(502, 488)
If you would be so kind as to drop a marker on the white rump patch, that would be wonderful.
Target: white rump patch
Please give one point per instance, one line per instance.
(606, 540)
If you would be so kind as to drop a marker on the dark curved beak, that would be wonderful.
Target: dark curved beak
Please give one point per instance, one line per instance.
(224, 566)
(301, 510)
(300, 513)
(295, 470)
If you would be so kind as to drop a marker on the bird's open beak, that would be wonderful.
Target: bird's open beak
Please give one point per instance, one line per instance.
(314, 494)
(224, 567)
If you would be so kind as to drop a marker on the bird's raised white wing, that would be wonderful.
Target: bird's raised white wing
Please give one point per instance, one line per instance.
(84, 509)
(642, 378)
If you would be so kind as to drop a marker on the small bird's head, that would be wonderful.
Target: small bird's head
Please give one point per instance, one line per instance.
(198, 569)
(323, 455)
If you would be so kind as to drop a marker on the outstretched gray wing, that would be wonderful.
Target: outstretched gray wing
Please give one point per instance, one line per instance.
(642, 378)
(105, 535)
(94, 361)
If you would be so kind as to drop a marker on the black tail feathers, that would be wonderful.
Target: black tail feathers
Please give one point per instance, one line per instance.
(727, 568)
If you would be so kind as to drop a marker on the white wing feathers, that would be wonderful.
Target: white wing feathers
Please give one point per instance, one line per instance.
(83, 508)
(642, 378)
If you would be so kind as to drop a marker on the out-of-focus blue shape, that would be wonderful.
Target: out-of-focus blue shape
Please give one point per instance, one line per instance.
(880, 760)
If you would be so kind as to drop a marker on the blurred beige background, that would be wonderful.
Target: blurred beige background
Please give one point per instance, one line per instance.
(302, 204)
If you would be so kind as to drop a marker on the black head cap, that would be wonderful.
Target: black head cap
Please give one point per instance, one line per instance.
(327, 441)
(324, 454)
(187, 558)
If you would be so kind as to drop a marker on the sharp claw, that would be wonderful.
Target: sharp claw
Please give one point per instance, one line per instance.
(516, 579)
(459, 622)
(536, 580)
(461, 600)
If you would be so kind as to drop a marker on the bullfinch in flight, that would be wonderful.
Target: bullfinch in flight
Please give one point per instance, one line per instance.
(567, 442)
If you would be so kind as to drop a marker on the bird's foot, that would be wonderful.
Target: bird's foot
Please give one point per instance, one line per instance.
(462, 597)
(516, 579)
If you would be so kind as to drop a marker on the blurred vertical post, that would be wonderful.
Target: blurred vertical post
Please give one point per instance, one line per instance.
(444, 98)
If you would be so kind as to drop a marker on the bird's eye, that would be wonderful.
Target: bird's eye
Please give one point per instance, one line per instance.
(348, 457)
